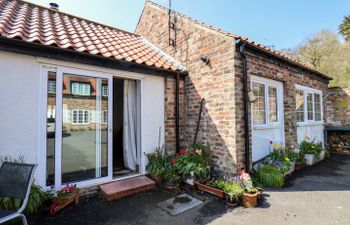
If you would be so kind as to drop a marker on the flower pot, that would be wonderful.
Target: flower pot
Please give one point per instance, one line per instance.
(250, 200)
(210, 190)
(158, 179)
(299, 166)
(231, 202)
(322, 155)
(63, 200)
(310, 159)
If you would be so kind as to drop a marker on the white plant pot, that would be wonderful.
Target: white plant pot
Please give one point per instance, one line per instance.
(310, 159)
(322, 155)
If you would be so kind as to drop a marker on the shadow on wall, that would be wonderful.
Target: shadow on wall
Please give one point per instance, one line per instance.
(338, 107)
(216, 128)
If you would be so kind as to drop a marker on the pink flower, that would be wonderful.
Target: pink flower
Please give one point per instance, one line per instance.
(183, 152)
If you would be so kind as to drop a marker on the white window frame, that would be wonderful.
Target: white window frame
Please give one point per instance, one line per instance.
(85, 86)
(104, 90)
(274, 84)
(308, 90)
(51, 86)
(84, 111)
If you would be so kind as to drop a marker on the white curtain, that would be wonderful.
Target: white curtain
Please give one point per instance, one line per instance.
(130, 125)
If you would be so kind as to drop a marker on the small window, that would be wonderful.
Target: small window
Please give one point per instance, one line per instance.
(80, 117)
(104, 116)
(310, 106)
(300, 105)
(273, 111)
(259, 117)
(51, 86)
(104, 90)
(317, 101)
(80, 88)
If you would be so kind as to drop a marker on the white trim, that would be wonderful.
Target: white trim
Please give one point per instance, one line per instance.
(58, 128)
(313, 91)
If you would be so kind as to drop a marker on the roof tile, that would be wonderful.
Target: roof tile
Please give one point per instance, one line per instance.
(32, 23)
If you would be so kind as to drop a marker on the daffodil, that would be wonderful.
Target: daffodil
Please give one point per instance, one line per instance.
(275, 146)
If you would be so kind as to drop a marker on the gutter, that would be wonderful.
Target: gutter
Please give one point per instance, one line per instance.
(245, 106)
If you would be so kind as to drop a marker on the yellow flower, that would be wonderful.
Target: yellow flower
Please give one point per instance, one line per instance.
(306, 137)
(282, 147)
(275, 146)
(287, 159)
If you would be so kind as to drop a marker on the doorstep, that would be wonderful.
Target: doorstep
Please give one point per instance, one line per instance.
(122, 188)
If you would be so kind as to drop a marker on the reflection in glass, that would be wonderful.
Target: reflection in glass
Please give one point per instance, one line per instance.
(84, 130)
(50, 138)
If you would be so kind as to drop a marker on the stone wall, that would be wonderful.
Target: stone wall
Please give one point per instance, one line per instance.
(338, 107)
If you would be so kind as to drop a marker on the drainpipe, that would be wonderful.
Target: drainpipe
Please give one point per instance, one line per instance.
(245, 107)
(177, 113)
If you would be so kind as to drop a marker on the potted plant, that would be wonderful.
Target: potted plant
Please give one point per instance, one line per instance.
(157, 164)
(214, 187)
(251, 194)
(311, 150)
(67, 195)
(193, 163)
(270, 176)
(234, 192)
(172, 177)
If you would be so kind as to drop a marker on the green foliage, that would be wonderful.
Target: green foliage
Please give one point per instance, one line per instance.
(270, 176)
(157, 162)
(344, 28)
(193, 161)
(326, 53)
(37, 199)
(310, 147)
(234, 190)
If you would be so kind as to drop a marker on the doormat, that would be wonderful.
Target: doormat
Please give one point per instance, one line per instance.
(179, 204)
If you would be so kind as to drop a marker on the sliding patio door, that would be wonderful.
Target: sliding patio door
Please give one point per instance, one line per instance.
(82, 145)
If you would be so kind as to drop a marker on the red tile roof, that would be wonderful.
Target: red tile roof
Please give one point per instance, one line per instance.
(248, 41)
(36, 24)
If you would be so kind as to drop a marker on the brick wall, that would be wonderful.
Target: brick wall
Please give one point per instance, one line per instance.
(220, 84)
(213, 82)
(338, 107)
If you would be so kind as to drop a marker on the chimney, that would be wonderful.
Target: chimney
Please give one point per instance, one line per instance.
(54, 6)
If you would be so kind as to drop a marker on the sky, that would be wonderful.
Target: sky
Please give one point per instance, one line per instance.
(277, 23)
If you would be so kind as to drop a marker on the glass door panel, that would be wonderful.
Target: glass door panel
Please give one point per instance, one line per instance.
(84, 128)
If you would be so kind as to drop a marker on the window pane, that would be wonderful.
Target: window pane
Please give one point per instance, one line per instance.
(273, 115)
(310, 107)
(50, 137)
(317, 101)
(299, 99)
(258, 109)
(85, 137)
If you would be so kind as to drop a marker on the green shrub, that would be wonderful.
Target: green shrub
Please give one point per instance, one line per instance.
(270, 176)
(310, 147)
(37, 199)
(157, 162)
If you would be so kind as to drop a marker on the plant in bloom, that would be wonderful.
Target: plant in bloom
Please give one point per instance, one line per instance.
(66, 190)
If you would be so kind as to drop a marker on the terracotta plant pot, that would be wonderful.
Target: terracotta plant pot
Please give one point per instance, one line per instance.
(158, 179)
(250, 200)
(299, 166)
(210, 190)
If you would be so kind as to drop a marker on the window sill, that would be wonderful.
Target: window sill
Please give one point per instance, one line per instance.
(266, 127)
(311, 123)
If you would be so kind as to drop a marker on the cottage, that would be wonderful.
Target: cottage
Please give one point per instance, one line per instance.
(83, 100)
(253, 94)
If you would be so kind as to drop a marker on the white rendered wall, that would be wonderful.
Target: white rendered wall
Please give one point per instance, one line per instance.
(19, 104)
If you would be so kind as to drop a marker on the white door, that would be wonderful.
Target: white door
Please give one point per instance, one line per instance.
(79, 120)
(267, 113)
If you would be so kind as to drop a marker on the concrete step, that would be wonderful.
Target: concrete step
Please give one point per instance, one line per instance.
(121, 188)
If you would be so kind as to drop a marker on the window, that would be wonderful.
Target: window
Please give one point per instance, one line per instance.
(80, 88)
(104, 116)
(300, 105)
(51, 86)
(317, 102)
(309, 106)
(273, 115)
(104, 90)
(259, 116)
(80, 117)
